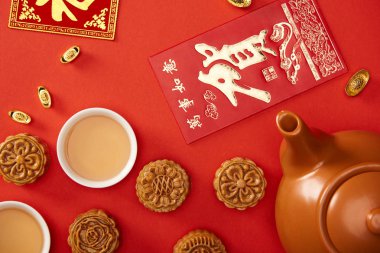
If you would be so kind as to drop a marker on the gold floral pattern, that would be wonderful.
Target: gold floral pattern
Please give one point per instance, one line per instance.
(316, 37)
(93, 232)
(162, 186)
(22, 159)
(28, 12)
(239, 183)
(199, 241)
(63, 11)
(98, 20)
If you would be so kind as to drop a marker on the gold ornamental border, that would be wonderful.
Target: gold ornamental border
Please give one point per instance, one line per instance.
(108, 35)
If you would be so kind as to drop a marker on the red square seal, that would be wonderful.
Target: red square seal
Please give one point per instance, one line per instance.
(269, 74)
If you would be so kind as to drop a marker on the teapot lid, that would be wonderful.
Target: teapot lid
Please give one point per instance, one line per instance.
(351, 215)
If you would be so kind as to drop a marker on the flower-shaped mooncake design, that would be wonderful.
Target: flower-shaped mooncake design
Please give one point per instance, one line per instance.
(93, 232)
(162, 186)
(22, 159)
(239, 183)
(199, 241)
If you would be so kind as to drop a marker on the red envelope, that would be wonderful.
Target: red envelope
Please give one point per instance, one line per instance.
(86, 18)
(246, 66)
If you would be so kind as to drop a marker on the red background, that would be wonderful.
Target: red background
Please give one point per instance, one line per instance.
(117, 75)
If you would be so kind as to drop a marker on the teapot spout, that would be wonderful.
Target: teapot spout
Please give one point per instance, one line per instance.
(301, 150)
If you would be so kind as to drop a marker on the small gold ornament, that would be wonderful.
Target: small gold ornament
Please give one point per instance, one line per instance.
(240, 3)
(44, 96)
(357, 83)
(20, 117)
(70, 55)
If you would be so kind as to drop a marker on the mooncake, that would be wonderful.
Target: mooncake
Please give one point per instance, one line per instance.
(239, 183)
(162, 186)
(23, 159)
(93, 232)
(199, 241)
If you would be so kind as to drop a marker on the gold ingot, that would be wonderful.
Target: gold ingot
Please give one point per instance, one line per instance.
(357, 83)
(240, 3)
(70, 55)
(44, 96)
(20, 117)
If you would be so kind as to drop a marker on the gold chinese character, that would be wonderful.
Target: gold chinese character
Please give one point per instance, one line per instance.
(58, 7)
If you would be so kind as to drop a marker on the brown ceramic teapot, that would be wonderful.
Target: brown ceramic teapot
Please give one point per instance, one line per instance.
(329, 197)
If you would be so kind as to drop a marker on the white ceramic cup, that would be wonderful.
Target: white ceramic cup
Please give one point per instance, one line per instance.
(61, 147)
(36, 215)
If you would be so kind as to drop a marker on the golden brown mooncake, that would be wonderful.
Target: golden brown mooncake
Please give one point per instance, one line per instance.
(93, 232)
(239, 183)
(199, 241)
(162, 186)
(23, 158)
